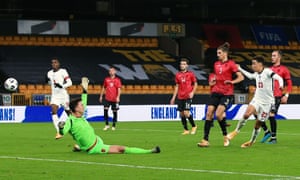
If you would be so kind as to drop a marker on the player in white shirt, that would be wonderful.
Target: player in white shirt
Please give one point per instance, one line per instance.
(59, 80)
(263, 99)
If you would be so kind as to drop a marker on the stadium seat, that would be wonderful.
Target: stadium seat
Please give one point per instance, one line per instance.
(146, 89)
(47, 41)
(128, 89)
(200, 89)
(71, 41)
(23, 88)
(169, 89)
(56, 41)
(47, 89)
(94, 42)
(206, 89)
(39, 88)
(116, 42)
(140, 42)
(102, 42)
(295, 90)
(125, 42)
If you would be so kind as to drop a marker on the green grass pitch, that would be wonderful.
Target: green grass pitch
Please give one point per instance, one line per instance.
(29, 151)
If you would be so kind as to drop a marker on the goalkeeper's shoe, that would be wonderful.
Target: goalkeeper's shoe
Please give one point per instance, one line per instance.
(156, 149)
(58, 136)
(266, 137)
(231, 135)
(203, 143)
(247, 144)
(85, 83)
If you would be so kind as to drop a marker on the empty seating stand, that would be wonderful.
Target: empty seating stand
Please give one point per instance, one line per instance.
(35, 40)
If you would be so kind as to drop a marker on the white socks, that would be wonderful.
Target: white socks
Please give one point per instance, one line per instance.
(255, 133)
(241, 123)
(55, 121)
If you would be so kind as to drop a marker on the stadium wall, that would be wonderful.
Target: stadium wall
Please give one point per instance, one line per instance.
(163, 112)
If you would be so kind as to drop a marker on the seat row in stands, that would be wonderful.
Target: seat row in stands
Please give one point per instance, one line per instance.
(126, 89)
(23, 40)
(292, 45)
(96, 89)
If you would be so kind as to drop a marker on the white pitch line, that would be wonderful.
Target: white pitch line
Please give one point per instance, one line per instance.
(152, 167)
(164, 130)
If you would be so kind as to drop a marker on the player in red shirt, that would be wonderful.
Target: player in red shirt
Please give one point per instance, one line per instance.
(222, 92)
(278, 94)
(186, 85)
(112, 89)
(211, 83)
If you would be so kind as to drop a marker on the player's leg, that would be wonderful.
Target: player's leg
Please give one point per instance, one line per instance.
(273, 122)
(117, 149)
(251, 109)
(219, 114)
(180, 108)
(184, 123)
(101, 148)
(55, 119)
(263, 112)
(254, 135)
(106, 108)
(207, 126)
(189, 116)
(115, 108)
(267, 134)
(225, 102)
(273, 125)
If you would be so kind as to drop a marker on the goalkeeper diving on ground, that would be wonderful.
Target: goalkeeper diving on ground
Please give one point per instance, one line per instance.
(84, 135)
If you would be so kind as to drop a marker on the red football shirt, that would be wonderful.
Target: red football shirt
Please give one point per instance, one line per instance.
(111, 86)
(185, 81)
(224, 71)
(286, 76)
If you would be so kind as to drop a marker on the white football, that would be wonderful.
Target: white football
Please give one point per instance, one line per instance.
(11, 84)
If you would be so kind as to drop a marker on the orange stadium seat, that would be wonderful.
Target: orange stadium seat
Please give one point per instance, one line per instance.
(102, 42)
(295, 90)
(128, 89)
(125, 42)
(94, 42)
(22, 88)
(48, 41)
(47, 89)
(71, 41)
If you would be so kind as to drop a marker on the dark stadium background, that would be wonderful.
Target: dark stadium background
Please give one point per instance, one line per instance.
(83, 15)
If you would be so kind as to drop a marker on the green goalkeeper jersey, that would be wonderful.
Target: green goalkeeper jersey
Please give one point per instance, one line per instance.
(80, 129)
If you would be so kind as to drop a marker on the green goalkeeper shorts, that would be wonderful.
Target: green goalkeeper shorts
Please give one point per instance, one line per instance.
(100, 147)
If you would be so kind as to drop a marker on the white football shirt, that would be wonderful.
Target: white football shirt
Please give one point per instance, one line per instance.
(61, 77)
(264, 85)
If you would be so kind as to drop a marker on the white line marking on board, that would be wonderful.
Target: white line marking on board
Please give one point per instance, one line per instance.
(151, 167)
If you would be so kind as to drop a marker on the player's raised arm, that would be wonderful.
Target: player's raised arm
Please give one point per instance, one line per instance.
(246, 73)
(85, 85)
